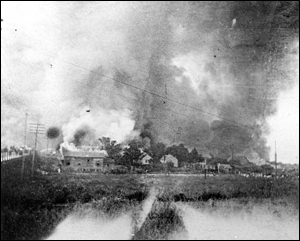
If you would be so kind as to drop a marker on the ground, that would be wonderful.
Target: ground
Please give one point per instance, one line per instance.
(180, 207)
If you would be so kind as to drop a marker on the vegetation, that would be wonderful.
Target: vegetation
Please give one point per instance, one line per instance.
(32, 209)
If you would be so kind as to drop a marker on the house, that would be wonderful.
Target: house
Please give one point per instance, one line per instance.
(169, 158)
(145, 159)
(87, 160)
(204, 166)
(210, 167)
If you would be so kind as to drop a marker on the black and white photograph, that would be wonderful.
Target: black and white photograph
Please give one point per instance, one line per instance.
(149, 120)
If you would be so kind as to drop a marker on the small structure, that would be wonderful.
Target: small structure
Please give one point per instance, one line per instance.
(169, 158)
(87, 160)
(210, 167)
(145, 159)
(205, 166)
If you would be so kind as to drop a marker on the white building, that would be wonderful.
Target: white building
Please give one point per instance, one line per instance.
(169, 158)
(145, 159)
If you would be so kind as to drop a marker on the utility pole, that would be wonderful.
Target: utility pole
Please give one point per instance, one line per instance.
(33, 156)
(47, 144)
(36, 128)
(275, 161)
(23, 159)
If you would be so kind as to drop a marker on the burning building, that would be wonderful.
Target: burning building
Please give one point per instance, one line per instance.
(87, 161)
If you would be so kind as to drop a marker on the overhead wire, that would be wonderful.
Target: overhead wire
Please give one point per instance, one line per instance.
(145, 90)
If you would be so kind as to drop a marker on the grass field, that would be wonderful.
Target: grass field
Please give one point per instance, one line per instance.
(224, 207)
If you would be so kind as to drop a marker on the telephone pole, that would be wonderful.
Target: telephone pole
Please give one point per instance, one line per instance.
(47, 145)
(275, 161)
(23, 159)
(33, 156)
(36, 128)
(231, 147)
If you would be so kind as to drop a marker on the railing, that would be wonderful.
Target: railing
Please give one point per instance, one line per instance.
(6, 156)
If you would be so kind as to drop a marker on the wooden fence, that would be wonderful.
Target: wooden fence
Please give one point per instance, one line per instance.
(6, 156)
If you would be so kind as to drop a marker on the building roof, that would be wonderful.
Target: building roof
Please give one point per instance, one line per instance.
(224, 165)
(91, 154)
(109, 160)
(145, 156)
(168, 157)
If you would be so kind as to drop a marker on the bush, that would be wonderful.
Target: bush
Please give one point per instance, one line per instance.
(120, 170)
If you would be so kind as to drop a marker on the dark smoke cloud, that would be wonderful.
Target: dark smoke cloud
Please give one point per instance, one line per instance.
(53, 132)
(236, 67)
(241, 76)
(84, 136)
(228, 60)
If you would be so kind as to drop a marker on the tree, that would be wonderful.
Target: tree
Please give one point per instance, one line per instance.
(156, 151)
(131, 154)
(169, 166)
(180, 152)
(201, 158)
(112, 148)
(193, 156)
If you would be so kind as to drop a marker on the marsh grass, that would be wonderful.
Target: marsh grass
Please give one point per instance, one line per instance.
(163, 220)
(33, 208)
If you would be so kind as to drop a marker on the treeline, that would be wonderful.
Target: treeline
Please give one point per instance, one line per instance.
(14, 150)
(130, 154)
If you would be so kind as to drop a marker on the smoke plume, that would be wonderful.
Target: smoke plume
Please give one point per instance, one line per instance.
(53, 132)
(212, 71)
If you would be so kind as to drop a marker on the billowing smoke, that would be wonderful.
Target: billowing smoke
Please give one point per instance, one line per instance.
(87, 127)
(212, 71)
(53, 132)
(81, 134)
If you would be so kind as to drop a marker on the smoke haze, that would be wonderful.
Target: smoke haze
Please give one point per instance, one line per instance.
(216, 68)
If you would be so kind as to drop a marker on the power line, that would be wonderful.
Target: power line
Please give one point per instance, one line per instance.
(150, 92)
(146, 91)
(156, 106)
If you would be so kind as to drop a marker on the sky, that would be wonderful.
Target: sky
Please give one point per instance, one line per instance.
(211, 76)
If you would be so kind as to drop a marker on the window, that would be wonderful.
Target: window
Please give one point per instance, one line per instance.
(68, 163)
(97, 163)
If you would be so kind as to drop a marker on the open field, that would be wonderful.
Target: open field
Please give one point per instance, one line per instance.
(189, 207)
